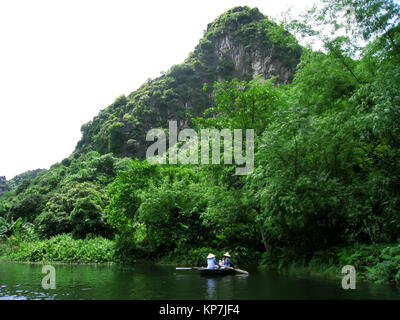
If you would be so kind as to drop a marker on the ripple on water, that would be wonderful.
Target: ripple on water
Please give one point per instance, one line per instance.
(13, 297)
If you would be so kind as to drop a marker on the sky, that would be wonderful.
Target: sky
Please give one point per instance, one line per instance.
(62, 61)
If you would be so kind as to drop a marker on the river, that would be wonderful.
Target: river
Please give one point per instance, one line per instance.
(24, 281)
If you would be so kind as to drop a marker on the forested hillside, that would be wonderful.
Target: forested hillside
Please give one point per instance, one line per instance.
(242, 43)
(325, 189)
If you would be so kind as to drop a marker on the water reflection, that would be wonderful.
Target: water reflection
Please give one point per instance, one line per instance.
(211, 288)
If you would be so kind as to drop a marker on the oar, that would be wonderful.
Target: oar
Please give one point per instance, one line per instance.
(238, 270)
(241, 271)
(184, 268)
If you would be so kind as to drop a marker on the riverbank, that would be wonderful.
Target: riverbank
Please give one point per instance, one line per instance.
(64, 248)
(378, 263)
(61, 248)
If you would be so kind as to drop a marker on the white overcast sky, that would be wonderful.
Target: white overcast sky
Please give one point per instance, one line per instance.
(61, 62)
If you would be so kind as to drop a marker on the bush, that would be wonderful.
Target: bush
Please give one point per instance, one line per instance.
(388, 267)
(52, 223)
(88, 217)
(126, 249)
(63, 248)
(27, 207)
(378, 263)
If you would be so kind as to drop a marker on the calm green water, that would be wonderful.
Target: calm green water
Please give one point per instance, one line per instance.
(23, 281)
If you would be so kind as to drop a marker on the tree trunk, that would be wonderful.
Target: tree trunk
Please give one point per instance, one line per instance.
(267, 247)
(148, 242)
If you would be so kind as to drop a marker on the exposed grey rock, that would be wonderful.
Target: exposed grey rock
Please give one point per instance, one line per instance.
(3, 185)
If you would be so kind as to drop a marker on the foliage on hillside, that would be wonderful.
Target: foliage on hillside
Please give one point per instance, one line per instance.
(19, 179)
(69, 197)
(121, 128)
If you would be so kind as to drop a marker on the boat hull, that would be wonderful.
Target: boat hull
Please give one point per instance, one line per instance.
(216, 272)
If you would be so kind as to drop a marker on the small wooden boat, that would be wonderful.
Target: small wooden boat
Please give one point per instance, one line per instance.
(214, 272)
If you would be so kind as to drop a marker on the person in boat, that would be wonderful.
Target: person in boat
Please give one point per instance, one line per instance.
(227, 262)
(212, 262)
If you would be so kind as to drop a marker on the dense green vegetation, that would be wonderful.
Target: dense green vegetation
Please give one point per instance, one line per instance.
(62, 248)
(325, 189)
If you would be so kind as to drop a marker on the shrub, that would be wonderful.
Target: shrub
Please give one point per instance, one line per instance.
(63, 248)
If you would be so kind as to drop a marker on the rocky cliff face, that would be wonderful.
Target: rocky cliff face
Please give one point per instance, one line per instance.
(242, 43)
(253, 45)
(3, 185)
(250, 62)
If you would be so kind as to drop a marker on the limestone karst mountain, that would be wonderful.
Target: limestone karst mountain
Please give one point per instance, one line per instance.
(242, 43)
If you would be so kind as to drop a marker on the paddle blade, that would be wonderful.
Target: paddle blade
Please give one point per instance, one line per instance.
(241, 271)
